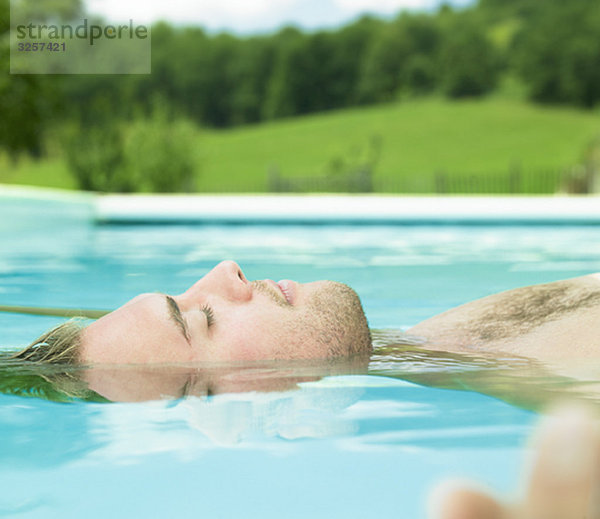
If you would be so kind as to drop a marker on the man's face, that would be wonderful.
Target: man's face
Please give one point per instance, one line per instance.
(225, 317)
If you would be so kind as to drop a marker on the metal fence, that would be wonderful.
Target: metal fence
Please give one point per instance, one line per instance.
(510, 182)
(514, 182)
(357, 182)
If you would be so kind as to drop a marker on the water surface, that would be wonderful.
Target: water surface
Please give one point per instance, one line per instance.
(359, 440)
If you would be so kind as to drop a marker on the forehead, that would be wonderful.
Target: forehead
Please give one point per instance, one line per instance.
(140, 331)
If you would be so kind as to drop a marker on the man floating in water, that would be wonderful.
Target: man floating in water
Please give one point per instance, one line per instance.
(225, 317)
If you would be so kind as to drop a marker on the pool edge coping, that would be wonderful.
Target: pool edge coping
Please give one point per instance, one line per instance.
(321, 208)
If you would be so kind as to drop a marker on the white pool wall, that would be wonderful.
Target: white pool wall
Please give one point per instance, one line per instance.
(313, 208)
(346, 208)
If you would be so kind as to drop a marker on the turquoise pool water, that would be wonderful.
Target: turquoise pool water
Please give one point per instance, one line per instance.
(351, 446)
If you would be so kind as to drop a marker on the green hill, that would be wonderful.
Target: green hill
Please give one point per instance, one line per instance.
(418, 139)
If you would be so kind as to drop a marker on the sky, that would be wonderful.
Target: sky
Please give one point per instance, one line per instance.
(255, 16)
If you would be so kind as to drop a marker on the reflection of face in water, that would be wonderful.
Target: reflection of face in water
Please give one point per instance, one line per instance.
(143, 383)
(230, 403)
(265, 399)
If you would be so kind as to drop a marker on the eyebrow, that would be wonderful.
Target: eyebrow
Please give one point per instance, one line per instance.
(176, 316)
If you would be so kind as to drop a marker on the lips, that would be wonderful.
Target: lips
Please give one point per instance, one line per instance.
(288, 289)
(285, 287)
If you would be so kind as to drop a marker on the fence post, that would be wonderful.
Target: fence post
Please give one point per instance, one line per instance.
(440, 182)
(514, 178)
(274, 179)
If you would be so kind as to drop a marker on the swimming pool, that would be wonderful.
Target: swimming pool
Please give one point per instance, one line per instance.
(339, 446)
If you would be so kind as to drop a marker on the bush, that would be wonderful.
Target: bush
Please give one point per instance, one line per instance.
(159, 155)
(94, 156)
(155, 154)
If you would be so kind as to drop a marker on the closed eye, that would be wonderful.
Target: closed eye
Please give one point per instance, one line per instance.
(210, 315)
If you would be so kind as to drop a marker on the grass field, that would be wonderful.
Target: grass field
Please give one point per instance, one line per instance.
(418, 139)
(51, 172)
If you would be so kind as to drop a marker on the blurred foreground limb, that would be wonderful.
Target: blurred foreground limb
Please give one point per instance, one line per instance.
(563, 481)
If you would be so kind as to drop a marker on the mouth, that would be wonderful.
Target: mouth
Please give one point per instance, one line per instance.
(286, 288)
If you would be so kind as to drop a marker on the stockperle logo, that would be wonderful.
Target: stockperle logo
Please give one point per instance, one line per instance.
(79, 46)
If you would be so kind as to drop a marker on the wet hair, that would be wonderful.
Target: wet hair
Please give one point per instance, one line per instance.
(48, 368)
(55, 382)
(59, 345)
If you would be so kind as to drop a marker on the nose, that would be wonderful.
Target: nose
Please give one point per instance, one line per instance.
(226, 280)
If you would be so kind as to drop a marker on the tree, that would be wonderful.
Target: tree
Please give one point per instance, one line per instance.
(251, 68)
(352, 43)
(401, 58)
(27, 101)
(20, 103)
(469, 64)
(287, 76)
(558, 53)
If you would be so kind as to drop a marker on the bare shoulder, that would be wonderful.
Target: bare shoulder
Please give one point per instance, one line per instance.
(508, 317)
(595, 277)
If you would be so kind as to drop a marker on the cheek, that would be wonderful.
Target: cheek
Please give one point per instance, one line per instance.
(256, 340)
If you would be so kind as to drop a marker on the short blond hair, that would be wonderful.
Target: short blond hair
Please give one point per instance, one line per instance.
(49, 367)
(59, 345)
